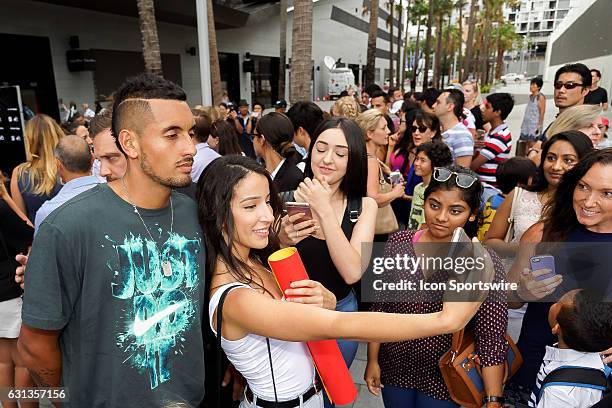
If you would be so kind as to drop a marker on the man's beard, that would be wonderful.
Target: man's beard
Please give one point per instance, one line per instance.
(171, 182)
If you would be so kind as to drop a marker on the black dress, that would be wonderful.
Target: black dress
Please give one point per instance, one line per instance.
(15, 237)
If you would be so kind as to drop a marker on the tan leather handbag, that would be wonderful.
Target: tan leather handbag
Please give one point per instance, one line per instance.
(462, 371)
(386, 222)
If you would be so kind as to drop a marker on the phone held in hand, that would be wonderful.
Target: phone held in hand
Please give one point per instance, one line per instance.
(461, 244)
(395, 177)
(543, 262)
(297, 208)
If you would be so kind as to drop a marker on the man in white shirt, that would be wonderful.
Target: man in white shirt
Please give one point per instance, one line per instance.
(448, 109)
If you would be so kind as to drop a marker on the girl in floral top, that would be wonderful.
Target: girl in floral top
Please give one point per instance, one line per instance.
(407, 372)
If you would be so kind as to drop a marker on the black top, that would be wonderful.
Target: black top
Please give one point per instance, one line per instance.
(15, 237)
(34, 201)
(318, 262)
(581, 265)
(478, 117)
(596, 97)
(288, 177)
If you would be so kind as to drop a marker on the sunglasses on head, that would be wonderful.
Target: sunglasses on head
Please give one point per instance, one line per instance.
(567, 85)
(421, 129)
(462, 180)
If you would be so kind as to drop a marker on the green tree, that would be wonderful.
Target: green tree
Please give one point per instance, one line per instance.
(215, 71)
(430, 22)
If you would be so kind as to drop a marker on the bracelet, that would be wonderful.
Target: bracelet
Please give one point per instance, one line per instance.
(493, 398)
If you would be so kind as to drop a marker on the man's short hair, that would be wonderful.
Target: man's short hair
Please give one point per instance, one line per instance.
(378, 94)
(203, 122)
(503, 102)
(74, 154)
(99, 123)
(538, 82)
(455, 97)
(306, 115)
(130, 106)
(371, 88)
(429, 96)
(578, 68)
(597, 72)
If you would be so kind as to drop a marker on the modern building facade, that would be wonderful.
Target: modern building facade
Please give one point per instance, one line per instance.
(535, 21)
(40, 38)
(584, 36)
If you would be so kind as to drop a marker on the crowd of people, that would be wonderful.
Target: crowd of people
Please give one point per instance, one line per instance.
(131, 235)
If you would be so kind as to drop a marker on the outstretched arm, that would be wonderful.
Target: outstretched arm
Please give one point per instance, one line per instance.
(247, 311)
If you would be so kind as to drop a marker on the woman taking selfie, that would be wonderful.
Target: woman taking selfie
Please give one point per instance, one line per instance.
(452, 200)
(239, 211)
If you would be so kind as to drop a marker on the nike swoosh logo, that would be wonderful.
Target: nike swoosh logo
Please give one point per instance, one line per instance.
(143, 326)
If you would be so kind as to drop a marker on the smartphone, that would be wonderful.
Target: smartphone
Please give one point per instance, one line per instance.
(296, 208)
(543, 262)
(461, 244)
(395, 177)
(480, 134)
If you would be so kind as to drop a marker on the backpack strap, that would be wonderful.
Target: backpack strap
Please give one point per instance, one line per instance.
(354, 208)
(571, 376)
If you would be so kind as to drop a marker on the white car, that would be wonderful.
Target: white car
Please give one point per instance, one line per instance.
(512, 77)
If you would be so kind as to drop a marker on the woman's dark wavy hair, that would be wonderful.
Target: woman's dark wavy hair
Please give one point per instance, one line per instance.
(581, 143)
(422, 118)
(472, 195)
(277, 129)
(354, 183)
(214, 195)
(227, 135)
(560, 217)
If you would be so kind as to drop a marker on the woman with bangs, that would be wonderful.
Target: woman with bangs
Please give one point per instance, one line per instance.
(263, 333)
(36, 180)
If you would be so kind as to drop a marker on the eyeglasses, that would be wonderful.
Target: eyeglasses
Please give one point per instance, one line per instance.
(462, 180)
(421, 129)
(568, 85)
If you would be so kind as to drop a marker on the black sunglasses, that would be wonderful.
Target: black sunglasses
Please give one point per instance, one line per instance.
(422, 129)
(567, 85)
(462, 180)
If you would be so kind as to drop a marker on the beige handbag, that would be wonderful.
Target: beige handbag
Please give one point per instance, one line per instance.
(386, 222)
(510, 233)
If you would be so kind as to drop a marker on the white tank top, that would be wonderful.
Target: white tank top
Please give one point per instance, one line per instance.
(294, 371)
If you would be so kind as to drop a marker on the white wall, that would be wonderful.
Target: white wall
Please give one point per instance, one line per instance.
(95, 30)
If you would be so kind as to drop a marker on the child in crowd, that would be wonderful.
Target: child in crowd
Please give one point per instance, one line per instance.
(428, 156)
(573, 373)
(498, 142)
(516, 171)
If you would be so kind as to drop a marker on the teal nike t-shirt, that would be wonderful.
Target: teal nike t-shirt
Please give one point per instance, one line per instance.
(128, 302)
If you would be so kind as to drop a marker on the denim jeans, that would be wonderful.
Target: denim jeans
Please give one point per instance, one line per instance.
(397, 397)
(347, 348)
(316, 401)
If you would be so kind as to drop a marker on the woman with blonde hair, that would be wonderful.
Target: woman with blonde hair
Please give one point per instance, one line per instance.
(472, 102)
(36, 180)
(347, 107)
(585, 118)
(376, 133)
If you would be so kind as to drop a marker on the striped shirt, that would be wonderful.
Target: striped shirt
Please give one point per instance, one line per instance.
(459, 140)
(498, 143)
(565, 396)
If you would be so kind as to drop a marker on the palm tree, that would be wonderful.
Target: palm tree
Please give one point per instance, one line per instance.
(215, 71)
(428, 44)
(399, 72)
(506, 38)
(150, 41)
(469, 45)
(406, 43)
(460, 5)
(283, 49)
(372, 35)
(301, 50)
(418, 11)
(390, 25)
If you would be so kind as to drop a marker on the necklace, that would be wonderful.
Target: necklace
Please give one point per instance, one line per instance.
(166, 265)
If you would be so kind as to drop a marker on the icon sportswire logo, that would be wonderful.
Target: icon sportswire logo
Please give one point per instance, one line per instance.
(143, 326)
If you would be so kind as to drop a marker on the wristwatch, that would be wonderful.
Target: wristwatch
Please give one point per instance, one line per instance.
(494, 399)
